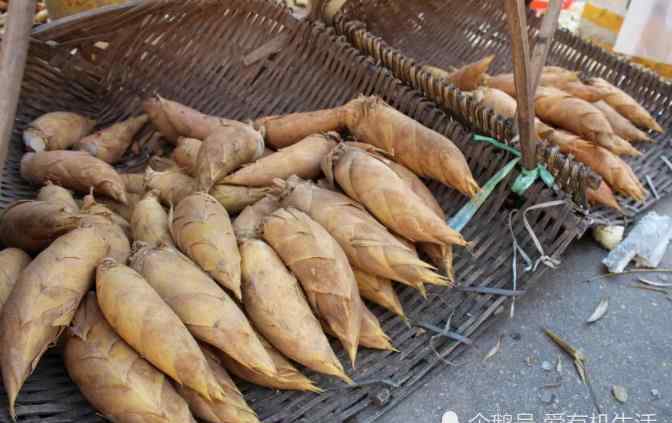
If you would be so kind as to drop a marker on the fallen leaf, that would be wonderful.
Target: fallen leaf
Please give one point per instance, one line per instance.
(494, 350)
(599, 312)
(620, 393)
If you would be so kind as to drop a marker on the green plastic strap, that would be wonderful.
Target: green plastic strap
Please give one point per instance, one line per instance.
(460, 220)
(528, 177)
(498, 144)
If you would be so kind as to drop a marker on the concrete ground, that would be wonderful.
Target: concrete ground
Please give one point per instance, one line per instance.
(630, 346)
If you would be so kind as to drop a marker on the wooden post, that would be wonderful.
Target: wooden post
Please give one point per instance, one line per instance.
(12, 65)
(543, 44)
(517, 19)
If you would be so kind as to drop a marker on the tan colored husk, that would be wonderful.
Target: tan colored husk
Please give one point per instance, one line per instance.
(149, 222)
(110, 144)
(232, 408)
(367, 243)
(12, 262)
(372, 335)
(74, 170)
(502, 104)
(186, 154)
(603, 196)
(380, 291)
(90, 205)
(119, 383)
(366, 178)
(224, 151)
(134, 182)
(249, 223)
(103, 220)
(171, 185)
(207, 311)
(422, 150)
(235, 198)
(33, 225)
(580, 90)
(57, 195)
(173, 120)
(123, 210)
(560, 109)
(321, 266)
(283, 131)
(301, 159)
(43, 303)
(161, 164)
(291, 328)
(617, 173)
(287, 377)
(506, 82)
(557, 78)
(466, 78)
(622, 126)
(56, 131)
(627, 106)
(139, 315)
(418, 187)
(440, 255)
(202, 229)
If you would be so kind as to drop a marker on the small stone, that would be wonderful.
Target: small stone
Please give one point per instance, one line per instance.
(548, 397)
(382, 397)
(547, 366)
(516, 336)
(655, 394)
(620, 393)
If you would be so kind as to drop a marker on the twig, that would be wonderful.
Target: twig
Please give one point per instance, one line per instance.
(651, 185)
(651, 288)
(627, 272)
(579, 362)
(13, 57)
(666, 161)
(543, 44)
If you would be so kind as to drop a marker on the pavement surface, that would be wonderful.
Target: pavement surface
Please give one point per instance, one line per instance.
(630, 346)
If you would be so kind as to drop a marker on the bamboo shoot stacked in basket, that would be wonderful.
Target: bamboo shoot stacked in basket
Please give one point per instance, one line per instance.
(258, 240)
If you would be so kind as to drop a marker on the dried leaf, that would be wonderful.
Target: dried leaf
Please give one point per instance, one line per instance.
(573, 352)
(656, 284)
(599, 312)
(620, 393)
(494, 349)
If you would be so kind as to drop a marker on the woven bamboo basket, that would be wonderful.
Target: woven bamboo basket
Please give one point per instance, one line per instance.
(248, 58)
(403, 36)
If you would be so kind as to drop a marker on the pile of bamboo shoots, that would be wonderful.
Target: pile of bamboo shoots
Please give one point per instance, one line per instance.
(241, 252)
(592, 120)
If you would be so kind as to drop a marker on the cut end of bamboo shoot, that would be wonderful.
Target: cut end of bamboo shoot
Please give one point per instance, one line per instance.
(34, 140)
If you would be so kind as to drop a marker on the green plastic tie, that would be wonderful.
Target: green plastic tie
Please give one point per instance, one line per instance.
(527, 178)
(498, 144)
(460, 220)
